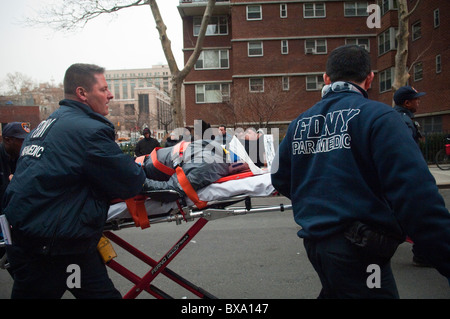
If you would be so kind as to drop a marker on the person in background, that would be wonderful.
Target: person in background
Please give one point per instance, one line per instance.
(358, 185)
(147, 144)
(13, 135)
(223, 137)
(172, 139)
(407, 100)
(69, 170)
(254, 145)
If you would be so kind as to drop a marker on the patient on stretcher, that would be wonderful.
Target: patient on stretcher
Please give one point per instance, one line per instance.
(197, 172)
(188, 167)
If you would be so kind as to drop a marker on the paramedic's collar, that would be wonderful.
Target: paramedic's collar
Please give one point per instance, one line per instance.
(341, 86)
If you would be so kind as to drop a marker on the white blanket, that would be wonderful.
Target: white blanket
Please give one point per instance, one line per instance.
(255, 186)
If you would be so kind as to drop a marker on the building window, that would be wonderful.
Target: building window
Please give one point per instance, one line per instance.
(314, 82)
(283, 10)
(387, 41)
(364, 42)
(132, 87)
(438, 64)
(218, 25)
(387, 5)
(418, 71)
(256, 85)
(437, 18)
(285, 83)
(385, 78)
(284, 47)
(355, 9)
(144, 105)
(116, 89)
(314, 10)
(316, 46)
(254, 12)
(430, 124)
(129, 109)
(125, 89)
(416, 29)
(212, 59)
(212, 92)
(255, 48)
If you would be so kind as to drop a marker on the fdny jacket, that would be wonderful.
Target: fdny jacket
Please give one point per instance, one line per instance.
(69, 169)
(352, 159)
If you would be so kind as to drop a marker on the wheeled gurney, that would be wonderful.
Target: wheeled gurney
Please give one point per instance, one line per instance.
(168, 206)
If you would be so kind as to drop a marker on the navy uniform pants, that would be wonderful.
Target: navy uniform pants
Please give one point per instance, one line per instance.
(344, 273)
(49, 277)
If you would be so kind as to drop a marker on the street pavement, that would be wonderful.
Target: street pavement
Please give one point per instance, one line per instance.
(442, 177)
(253, 256)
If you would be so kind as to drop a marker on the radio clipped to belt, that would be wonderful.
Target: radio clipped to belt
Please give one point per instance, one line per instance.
(106, 250)
(375, 245)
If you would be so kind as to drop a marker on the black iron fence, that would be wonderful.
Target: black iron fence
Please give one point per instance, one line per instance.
(431, 143)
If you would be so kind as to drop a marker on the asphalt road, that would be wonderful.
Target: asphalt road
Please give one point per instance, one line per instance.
(252, 256)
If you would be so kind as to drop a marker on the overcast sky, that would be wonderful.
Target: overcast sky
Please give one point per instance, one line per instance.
(127, 40)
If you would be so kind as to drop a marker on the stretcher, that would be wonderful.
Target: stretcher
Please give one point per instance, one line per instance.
(221, 198)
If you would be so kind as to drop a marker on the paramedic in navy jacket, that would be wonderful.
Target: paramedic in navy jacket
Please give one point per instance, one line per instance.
(69, 170)
(359, 185)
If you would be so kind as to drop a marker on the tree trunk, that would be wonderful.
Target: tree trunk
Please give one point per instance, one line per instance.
(177, 75)
(401, 72)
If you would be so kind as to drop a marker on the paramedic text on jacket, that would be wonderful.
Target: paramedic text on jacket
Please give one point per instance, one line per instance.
(57, 202)
(348, 159)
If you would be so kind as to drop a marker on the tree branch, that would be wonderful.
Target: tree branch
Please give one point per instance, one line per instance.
(412, 10)
(73, 14)
(201, 37)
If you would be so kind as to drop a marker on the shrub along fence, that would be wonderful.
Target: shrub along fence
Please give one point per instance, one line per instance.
(127, 148)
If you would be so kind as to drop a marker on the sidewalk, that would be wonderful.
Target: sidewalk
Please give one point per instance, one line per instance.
(442, 177)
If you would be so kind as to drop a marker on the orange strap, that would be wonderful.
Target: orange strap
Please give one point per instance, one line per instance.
(140, 160)
(188, 189)
(160, 166)
(136, 207)
(179, 148)
(234, 177)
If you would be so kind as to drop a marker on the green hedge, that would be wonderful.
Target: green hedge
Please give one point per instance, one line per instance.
(127, 148)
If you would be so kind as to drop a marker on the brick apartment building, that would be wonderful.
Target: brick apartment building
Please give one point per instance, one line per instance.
(274, 53)
(19, 113)
(429, 53)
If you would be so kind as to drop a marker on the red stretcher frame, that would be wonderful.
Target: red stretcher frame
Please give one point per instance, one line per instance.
(160, 266)
(144, 283)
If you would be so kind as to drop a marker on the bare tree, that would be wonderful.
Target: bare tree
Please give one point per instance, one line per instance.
(401, 71)
(262, 107)
(255, 108)
(71, 14)
(18, 83)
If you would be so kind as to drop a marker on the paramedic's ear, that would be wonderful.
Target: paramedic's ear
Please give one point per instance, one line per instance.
(81, 94)
(368, 81)
(326, 79)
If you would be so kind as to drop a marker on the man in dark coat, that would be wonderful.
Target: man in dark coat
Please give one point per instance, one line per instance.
(147, 144)
(69, 170)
